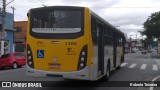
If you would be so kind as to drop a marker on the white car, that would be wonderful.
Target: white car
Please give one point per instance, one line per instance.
(135, 49)
(154, 52)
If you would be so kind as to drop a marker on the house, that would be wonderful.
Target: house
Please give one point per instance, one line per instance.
(6, 43)
(20, 35)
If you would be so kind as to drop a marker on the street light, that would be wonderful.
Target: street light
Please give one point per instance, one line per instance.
(130, 45)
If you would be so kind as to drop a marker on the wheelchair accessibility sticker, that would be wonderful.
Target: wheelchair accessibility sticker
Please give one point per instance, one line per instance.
(40, 53)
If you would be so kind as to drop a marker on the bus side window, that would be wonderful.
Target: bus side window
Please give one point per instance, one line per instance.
(106, 40)
(121, 44)
(94, 31)
(108, 36)
(117, 40)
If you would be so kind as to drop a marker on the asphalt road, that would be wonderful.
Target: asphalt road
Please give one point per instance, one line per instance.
(137, 67)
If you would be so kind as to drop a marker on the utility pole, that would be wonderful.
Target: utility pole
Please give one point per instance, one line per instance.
(2, 36)
(13, 14)
(136, 41)
(130, 46)
(3, 19)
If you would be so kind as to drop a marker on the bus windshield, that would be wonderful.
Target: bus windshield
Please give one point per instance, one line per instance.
(56, 21)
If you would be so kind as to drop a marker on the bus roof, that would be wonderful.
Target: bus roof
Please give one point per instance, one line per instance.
(59, 7)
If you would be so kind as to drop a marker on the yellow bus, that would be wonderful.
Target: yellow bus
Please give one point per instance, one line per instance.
(72, 42)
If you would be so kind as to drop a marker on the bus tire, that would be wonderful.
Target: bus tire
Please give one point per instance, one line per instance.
(108, 71)
(106, 77)
(118, 67)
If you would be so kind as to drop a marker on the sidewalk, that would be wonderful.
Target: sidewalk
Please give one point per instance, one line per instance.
(157, 59)
(155, 55)
(157, 88)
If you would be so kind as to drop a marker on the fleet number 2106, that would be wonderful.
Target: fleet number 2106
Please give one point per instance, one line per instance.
(70, 43)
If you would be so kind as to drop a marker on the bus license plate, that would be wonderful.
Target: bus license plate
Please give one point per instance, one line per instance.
(55, 65)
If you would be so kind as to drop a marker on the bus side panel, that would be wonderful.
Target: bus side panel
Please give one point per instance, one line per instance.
(95, 62)
(118, 59)
(108, 55)
(119, 51)
(28, 28)
(88, 35)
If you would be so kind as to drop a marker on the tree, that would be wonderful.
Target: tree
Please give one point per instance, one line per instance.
(152, 26)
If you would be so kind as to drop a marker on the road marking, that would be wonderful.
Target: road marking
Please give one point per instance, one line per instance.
(151, 88)
(133, 65)
(143, 66)
(155, 67)
(123, 64)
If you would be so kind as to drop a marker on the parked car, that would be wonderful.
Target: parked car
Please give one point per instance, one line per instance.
(126, 51)
(149, 51)
(134, 50)
(140, 49)
(13, 60)
(153, 50)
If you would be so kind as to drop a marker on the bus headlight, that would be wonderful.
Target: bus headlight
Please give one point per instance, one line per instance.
(82, 58)
(29, 57)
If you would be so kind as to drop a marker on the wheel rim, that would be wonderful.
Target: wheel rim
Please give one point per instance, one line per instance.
(14, 65)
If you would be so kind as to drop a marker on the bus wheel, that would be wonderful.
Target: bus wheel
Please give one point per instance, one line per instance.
(106, 77)
(118, 67)
(108, 71)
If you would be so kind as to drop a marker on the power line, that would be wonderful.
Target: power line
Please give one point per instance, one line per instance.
(25, 7)
(129, 28)
(33, 2)
(21, 15)
(22, 7)
(9, 2)
(125, 7)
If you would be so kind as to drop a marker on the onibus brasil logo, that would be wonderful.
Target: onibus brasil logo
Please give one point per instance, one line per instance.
(20, 84)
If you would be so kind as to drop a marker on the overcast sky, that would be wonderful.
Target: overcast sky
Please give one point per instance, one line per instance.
(128, 15)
